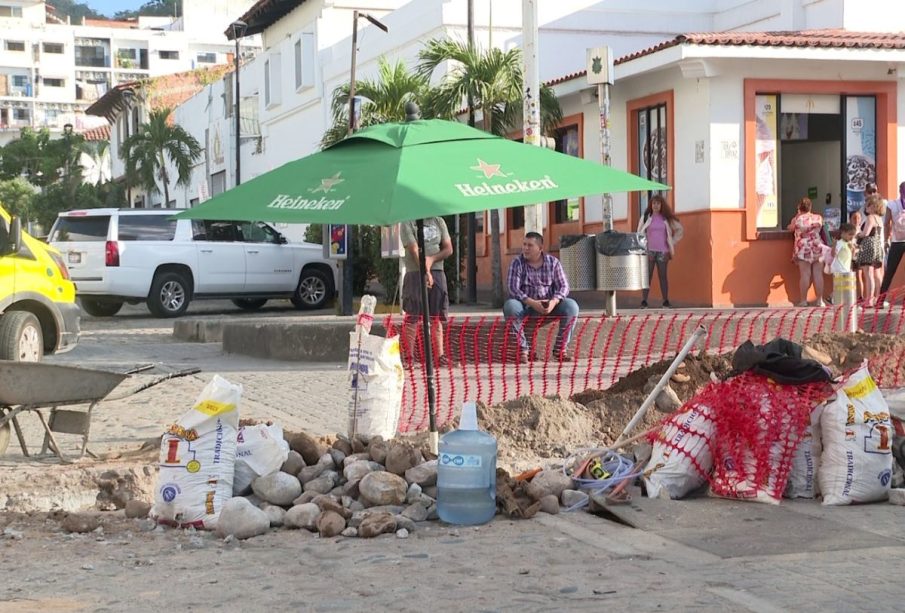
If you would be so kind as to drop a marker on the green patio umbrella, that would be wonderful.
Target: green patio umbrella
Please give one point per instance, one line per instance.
(407, 171)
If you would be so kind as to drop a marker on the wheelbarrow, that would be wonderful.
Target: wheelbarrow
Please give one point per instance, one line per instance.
(33, 386)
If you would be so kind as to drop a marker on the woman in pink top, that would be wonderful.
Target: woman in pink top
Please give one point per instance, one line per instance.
(807, 249)
(656, 226)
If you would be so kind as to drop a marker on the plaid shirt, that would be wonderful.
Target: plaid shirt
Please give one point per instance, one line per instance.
(543, 283)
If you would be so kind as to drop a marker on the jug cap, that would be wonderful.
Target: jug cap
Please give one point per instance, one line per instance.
(469, 418)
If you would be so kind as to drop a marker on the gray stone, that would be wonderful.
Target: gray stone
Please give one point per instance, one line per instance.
(326, 503)
(357, 470)
(327, 461)
(241, 519)
(358, 445)
(359, 516)
(275, 514)
(378, 452)
(337, 491)
(302, 516)
(277, 488)
(392, 509)
(350, 489)
(432, 514)
(431, 491)
(667, 401)
(549, 504)
(333, 475)
(413, 494)
(571, 498)
(338, 457)
(347, 501)
(376, 524)
(426, 500)
(307, 446)
(402, 533)
(355, 457)
(80, 523)
(383, 488)
(547, 483)
(401, 457)
(343, 445)
(416, 512)
(137, 509)
(293, 464)
(321, 485)
(305, 498)
(424, 474)
(350, 532)
(404, 522)
(356, 506)
(310, 473)
(254, 500)
(330, 524)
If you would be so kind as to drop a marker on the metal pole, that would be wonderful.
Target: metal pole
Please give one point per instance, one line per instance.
(603, 100)
(427, 341)
(238, 118)
(534, 218)
(471, 266)
(348, 281)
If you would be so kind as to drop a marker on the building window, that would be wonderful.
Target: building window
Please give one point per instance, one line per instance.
(126, 54)
(10, 11)
(207, 58)
(267, 83)
(21, 114)
(91, 55)
(14, 45)
(298, 63)
(652, 150)
(53, 47)
(50, 82)
(272, 80)
(304, 60)
(169, 55)
(567, 141)
(20, 80)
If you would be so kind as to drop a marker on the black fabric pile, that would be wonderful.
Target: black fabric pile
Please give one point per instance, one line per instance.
(781, 361)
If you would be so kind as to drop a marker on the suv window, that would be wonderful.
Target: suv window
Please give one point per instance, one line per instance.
(146, 228)
(216, 231)
(257, 232)
(92, 228)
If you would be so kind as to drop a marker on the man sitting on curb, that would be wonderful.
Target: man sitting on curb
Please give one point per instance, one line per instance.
(538, 288)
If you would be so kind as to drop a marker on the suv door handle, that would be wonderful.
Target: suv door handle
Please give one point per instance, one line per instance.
(251, 251)
(207, 251)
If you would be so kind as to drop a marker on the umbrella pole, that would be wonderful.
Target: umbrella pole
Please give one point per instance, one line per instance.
(426, 340)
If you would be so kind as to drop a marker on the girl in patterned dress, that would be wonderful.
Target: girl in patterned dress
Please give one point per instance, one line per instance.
(807, 249)
(870, 250)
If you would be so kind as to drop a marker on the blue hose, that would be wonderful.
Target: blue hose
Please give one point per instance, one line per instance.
(619, 467)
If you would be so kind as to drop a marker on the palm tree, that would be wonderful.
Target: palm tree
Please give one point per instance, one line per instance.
(494, 80)
(155, 144)
(383, 99)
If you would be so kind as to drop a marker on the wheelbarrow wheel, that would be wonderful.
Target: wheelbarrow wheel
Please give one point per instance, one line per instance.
(4, 437)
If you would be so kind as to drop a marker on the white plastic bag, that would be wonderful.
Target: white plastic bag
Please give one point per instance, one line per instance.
(806, 461)
(260, 450)
(857, 443)
(683, 442)
(375, 385)
(197, 457)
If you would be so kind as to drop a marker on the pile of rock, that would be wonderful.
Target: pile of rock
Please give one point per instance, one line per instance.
(361, 486)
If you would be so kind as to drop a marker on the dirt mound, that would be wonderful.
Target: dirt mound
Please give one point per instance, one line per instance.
(884, 353)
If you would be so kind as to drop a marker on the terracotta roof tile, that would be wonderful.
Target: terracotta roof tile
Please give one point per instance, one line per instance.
(820, 39)
(96, 134)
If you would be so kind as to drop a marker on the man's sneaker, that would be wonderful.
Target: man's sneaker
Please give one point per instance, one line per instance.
(562, 356)
(644, 304)
(666, 304)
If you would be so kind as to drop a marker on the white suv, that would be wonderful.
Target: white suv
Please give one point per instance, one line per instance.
(134, 255)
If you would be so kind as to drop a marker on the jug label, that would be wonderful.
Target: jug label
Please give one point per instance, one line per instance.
(458, 460)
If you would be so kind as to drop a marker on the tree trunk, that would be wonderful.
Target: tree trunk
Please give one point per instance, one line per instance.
(166, 182)
(496, 257)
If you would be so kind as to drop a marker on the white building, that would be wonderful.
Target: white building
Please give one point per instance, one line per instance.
(690, 96)
(51, 71)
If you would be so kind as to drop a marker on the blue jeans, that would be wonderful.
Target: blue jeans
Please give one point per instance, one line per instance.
(566, 311)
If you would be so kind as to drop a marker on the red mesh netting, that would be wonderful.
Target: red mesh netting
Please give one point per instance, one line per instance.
(757, 424)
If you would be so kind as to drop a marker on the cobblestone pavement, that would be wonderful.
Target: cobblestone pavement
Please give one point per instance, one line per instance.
(572, 562)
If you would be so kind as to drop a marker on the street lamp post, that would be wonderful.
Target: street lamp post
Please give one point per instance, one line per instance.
(238, 28)
(128, 96)
(67, 134)
(348, 284)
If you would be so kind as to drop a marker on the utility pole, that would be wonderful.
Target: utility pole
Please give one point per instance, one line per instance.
(471, 269)
(347, 280)
(534, 217)
(238, 28)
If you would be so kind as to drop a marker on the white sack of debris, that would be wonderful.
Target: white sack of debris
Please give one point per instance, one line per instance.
(681, 458)
(803, 481)
(260, 451)
(197, 459)
(375, 385)
(857, 443)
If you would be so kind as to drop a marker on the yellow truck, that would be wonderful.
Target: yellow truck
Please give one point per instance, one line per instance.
(38, 312)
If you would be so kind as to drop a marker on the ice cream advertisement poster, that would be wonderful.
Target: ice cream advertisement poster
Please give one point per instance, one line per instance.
(765, 153)
(860, 149)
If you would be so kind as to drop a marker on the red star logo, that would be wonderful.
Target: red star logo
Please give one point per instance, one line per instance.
(489, 170)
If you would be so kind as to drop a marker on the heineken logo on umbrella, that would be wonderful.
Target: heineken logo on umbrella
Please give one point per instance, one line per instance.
(327, 185)
(512, 186)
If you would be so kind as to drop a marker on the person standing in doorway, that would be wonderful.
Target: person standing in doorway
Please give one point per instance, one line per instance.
(538, 288)
(870, 250)
(807, 249)
(895, 237)
(657, 226)
(437, 247)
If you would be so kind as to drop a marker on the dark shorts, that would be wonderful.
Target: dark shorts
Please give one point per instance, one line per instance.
(437, 295)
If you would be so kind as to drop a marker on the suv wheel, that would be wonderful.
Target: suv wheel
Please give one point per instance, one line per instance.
(169, 295)
(21, 338)
(100, 308)
(250, 304)
(314, 290)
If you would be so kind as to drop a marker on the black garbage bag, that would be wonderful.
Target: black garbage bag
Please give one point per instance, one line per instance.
(569, 240)
(781, 360)
(619, 243)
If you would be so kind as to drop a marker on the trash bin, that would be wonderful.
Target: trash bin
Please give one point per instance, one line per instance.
(621, 262)
(579, 260)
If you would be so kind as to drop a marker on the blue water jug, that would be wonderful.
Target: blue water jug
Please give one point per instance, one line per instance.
(466, 472)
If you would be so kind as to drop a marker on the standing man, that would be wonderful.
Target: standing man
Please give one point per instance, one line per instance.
(895, 236)
(538, 288)
(437, 247)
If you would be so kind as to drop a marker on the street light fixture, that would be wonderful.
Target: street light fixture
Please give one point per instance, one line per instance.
(238, 28)
(346, 303)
